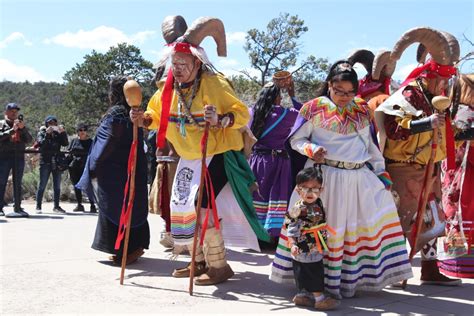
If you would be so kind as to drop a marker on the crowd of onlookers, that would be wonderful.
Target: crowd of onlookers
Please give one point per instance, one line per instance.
(53, 160)
(57, 153)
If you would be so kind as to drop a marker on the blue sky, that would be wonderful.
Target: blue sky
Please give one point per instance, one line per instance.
(41, 40)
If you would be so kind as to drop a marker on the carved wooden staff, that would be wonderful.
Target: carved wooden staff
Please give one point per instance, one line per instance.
(440, 103)
(198, 208)
(133, 94)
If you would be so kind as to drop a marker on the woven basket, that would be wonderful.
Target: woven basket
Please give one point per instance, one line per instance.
(282, 79)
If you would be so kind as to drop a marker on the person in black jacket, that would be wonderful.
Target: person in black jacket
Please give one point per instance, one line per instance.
(50, 139)
(13, 138)
(78, 150)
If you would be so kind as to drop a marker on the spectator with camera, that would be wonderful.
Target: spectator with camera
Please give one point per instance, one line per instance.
(78, 150)
(50, 139)
(13, 139)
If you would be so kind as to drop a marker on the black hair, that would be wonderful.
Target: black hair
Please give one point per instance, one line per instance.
(116, 95)
(311, 173)
(81, 126)
(340, 71)
(262, 108)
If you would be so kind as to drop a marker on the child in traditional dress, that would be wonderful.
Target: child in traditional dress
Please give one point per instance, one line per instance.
(306, 230)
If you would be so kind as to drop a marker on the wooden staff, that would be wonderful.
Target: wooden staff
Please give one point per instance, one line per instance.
(198, 208)
(133, 94)
(440, 103)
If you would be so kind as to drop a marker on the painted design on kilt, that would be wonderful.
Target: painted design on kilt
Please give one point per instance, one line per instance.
(325, 114)
(182, 189)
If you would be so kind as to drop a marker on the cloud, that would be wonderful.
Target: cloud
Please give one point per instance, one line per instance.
(402, 72)
(101, 38)
(18, 73)
(15, 36)
(236, 37)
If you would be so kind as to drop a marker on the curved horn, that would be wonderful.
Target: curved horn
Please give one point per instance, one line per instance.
(421, 54)
(364, 57)
(207, 26)
(434, 41)
(383, 65)
(453, 46)
(454, 49)
(467, 89)
(173, 26)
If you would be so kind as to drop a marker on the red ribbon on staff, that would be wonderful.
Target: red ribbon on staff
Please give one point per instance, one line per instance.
(211, 199)
(126, 209)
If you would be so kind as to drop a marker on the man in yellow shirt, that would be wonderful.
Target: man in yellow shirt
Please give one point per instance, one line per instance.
(407, 119)
(193, 94)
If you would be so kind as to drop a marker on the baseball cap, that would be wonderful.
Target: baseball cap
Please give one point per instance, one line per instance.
(12, 106)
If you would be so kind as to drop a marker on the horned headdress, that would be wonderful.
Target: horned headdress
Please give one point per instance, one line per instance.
(442, 47)
(379, 73)
(180, 38)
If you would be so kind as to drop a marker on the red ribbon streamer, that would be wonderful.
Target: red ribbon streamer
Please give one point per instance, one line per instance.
(211, 199)
(166, 97)
(126, 209)
(451, 163)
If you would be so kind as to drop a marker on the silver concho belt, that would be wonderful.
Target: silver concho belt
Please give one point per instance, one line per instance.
(343, 164)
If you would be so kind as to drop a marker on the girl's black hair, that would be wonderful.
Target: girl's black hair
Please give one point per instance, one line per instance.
(311, 173)
(340, 71)
(116, 95)
(262, 108)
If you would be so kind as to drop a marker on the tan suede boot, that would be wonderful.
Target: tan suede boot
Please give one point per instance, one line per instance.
(214, 250)
(430, 275)
(199, 267)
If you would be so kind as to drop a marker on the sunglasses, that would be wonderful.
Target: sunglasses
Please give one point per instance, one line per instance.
(82, 130)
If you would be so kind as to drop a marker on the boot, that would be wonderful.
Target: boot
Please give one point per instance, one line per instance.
(79, 208)
(214, 250)
(166, 240)
(430, 275)
(303, 298)
(199, 267)
(327, 303)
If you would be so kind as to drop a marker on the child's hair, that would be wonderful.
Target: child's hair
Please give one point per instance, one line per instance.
(311, 173)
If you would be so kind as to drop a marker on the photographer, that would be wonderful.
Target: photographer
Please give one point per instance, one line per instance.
(13, 138)
(50, 139)
(78, 150)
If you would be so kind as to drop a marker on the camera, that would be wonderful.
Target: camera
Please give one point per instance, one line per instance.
(20, 117)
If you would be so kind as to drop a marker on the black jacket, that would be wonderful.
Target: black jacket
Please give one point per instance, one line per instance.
(50, 144)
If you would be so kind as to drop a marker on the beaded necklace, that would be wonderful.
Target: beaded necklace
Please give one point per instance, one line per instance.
(184, 105)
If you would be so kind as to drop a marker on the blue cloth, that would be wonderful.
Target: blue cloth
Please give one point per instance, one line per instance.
(107, 163)
(45, 170)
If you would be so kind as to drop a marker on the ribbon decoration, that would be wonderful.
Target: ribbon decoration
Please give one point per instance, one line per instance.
(316, 231)
(127, 208)
(211, 199)
(166, 97)
(432, 68)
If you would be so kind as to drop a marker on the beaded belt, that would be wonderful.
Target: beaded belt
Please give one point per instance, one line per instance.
(343, 164)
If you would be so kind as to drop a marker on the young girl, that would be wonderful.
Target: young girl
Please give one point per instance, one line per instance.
(306, 251)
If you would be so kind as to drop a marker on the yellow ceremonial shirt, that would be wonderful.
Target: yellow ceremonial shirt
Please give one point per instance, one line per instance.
(213, 90)
(404, 150)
